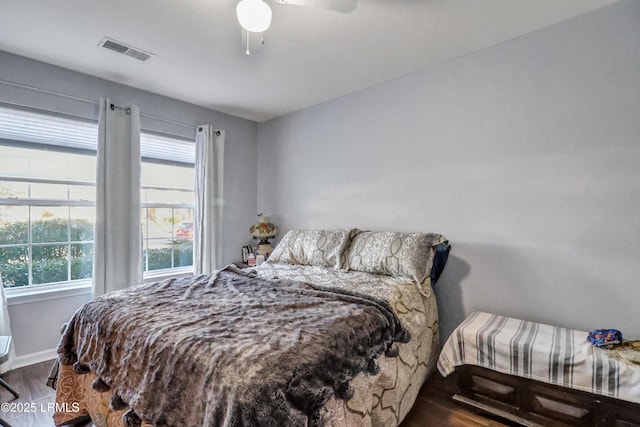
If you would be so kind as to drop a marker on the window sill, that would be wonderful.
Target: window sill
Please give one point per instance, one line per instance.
(31, 294)
(157, 275)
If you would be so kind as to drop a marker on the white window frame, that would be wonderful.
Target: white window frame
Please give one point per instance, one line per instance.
(155, 149)
(169, 150)
(31, 202)
(172, 271)
(43, 291)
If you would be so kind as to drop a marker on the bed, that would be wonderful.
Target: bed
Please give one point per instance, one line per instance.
(356, 339)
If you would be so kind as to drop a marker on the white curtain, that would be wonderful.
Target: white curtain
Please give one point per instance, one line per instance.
(5, 328)
(117, 253)
(207, 223)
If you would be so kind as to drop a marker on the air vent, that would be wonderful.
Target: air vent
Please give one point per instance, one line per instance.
(138, 54)
(120, 47)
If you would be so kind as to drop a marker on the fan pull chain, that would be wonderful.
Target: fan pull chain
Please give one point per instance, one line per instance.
(248, 51)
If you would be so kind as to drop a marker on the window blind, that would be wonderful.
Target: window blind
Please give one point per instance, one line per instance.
(47, 129)
(170, 149)
(58, 131)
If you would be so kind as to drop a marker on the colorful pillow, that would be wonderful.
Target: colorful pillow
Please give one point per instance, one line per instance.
(313, 247)
(407, 255)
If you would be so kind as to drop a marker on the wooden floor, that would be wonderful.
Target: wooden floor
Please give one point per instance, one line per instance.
(432, 408)
(35, 397)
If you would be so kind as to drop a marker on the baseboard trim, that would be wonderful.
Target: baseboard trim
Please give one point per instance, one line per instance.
(33, 358)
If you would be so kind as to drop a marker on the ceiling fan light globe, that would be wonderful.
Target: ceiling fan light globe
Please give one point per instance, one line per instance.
(254, 15)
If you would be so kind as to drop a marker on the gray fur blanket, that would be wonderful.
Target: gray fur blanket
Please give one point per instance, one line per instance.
(228, 349)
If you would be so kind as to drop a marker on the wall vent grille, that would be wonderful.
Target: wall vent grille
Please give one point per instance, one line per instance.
(125, 49)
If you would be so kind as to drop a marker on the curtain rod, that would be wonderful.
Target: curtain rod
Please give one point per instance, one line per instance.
(81, 99)
(126, 109)
(216, 131)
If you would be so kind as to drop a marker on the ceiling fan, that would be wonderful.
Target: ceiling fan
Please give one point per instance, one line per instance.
(255, 15)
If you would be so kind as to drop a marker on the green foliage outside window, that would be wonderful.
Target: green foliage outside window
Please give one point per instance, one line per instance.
(50, 262)
(161, 257)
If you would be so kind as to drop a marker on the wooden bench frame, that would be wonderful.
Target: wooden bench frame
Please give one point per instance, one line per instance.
(534, 403)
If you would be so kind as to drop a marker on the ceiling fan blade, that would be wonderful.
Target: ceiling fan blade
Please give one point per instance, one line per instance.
(344, 6)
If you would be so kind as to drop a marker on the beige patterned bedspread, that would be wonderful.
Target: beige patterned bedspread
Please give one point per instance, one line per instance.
(380, 400)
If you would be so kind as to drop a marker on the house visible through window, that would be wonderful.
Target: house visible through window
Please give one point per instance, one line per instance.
(47, 199)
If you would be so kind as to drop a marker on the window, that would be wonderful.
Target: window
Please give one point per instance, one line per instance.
(47, 199)
(167, 196)
(167, 216)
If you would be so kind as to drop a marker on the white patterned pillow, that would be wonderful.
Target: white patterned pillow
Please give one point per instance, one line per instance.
(394, 254)
(313, 247)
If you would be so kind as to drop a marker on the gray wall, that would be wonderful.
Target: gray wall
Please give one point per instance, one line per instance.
(35, 325)
(525, 155)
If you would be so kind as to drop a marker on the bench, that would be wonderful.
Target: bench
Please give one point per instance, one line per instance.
(539, 375)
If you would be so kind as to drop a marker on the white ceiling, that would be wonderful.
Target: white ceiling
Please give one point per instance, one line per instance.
(309, 56)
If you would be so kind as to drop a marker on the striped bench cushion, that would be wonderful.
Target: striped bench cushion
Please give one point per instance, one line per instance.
(541, 352)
